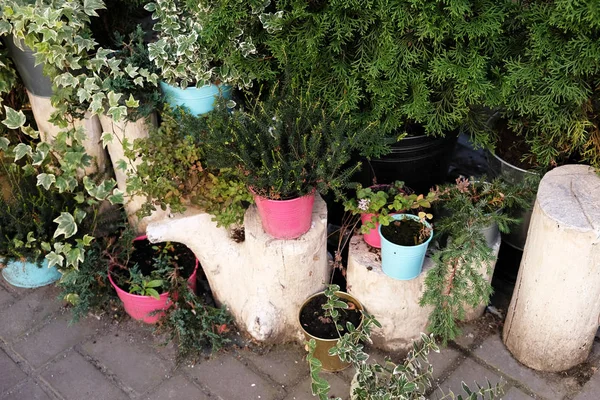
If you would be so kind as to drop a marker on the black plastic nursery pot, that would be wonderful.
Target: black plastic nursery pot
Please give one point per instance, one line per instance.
(420, 161)
(329, 363)
(32, 75)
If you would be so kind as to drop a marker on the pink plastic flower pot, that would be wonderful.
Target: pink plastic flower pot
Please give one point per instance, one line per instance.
(143, 308)
(372, 238)
(286, 219)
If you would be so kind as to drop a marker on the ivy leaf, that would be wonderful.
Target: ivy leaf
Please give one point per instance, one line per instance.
(54, 259)
(46, 180)
(21, 150)
(117, 197)
(107, 137)
(72, 298)
(29, 131)
(4, 143)
(117, 113)
(122, 165)
(79, 215)
(14, 119)
(75, 256)
(113, 99)
(90, 7)
(66, 225)
(45, 246)
(131, 102)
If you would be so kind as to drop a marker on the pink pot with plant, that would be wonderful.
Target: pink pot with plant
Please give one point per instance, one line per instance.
(286, 219)
(147, 309)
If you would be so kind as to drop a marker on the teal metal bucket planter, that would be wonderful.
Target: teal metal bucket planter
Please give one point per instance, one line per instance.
(403, 262)
(28, 275)
(197, 100)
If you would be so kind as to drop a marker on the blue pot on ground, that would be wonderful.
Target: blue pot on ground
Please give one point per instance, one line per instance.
(197, 100)
(29, 275)
(403, 262)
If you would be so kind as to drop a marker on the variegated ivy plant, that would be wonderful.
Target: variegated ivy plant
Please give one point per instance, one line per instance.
(58, 32)
(202, 42)
(56, 165)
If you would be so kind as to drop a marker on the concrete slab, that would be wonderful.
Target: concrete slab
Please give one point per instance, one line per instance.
(32, 309)
(30, 390)
(591, 390)
(444, 361)
(10, 373)
(5, 297)
(516, 394)
(177, 388)
(495, 354)
(230, 379)
(54, 338)
(470, 372)
(285, 364)
(339, 388)
(76, 379)
(134, 363)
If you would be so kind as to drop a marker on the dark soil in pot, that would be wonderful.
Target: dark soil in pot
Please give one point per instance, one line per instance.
(313, 320)
(512, 148)
(144, 253)
(403, 232)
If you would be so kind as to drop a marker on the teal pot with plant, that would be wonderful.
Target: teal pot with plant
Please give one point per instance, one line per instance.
(197, 100)
(141, 282)
(404, 243)
(32, 75)
(318, 325)
(25, 274)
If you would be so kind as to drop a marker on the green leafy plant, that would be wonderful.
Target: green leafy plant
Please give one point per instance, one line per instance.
(456, 280)
(284, 147)
(411, 379)
(385, 200)
(209, 42)
(173, 172)
(549, 92)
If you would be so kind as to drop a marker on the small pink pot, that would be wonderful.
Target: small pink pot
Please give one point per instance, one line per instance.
(286, 219)
(372, 238)
(142, 308)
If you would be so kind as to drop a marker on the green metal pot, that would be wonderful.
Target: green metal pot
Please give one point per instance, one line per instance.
(330, 363)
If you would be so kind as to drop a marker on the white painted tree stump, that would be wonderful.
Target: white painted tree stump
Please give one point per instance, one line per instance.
(132, 131)
(43, 109)
(553, 314)
(262, 281)
(395, 303)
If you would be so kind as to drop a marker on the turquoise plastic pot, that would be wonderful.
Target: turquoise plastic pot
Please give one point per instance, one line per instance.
(197, 100)
(29, 275)
(403, 262)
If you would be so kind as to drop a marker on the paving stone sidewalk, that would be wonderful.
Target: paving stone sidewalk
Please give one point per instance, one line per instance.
(43, 357)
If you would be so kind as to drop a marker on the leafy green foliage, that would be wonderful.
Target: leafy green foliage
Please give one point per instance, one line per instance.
(192, 324)
(549, 91)
(88, 289)
(411, 379)
(284, 147)
(456, 280)
(173, 172)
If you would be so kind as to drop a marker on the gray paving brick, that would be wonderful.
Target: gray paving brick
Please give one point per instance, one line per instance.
(515, 394)
(443, 360)
(591, 390)
(470, 372)
(468, 336)
(494, 353)
(339, 388)
(5, 297)
(28, 312)
(284, 364)
(76, 379)
(10, 373)
(27, 391)
(177, 388)
(53, 338)
(134, 363)
(216, 375)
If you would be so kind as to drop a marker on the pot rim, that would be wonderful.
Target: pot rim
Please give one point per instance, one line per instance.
(311, 193)
(347, 295)
(525, 171)
(410, 216)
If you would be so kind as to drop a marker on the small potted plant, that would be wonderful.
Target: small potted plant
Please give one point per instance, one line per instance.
(141, 274)
(27, 225)
(376, 205)
(325, 317)
(286, 149)
(404, 244)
